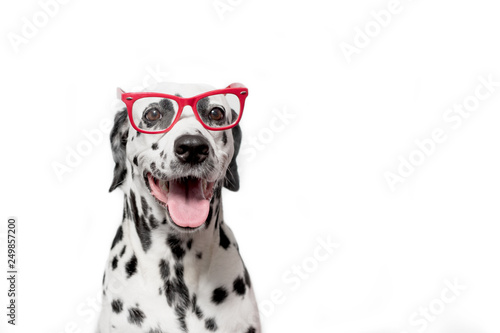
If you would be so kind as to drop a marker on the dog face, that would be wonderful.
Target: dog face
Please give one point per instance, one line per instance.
(179, 169)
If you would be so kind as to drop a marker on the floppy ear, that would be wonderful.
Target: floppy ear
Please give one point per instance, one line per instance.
(119, 137)
(232, 179)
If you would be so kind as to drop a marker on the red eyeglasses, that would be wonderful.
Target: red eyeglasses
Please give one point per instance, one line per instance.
(155, 113)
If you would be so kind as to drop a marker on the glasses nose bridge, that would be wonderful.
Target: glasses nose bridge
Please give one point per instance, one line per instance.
(191, 107)
(190, 102)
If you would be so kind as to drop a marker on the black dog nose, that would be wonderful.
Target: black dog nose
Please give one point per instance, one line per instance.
(191, 149)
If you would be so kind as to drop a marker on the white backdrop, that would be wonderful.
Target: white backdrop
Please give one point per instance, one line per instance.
(369, 170)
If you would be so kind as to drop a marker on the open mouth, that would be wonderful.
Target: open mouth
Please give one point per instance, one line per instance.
(187, 199)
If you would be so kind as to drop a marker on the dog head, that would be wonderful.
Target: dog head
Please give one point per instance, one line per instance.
(180, 170)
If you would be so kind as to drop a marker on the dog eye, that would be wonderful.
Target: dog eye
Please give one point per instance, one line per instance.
(152, 115)
(216, 114)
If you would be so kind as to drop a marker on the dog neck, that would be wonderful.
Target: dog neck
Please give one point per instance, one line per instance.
(153, 238)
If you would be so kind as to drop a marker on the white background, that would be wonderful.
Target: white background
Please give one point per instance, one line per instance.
(318, 175)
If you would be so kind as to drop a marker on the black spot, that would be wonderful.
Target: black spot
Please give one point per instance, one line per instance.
(218, 193)
(209, 217)
(199, 255)
(217, 220)
(176, 290)
(161, 154)
(103, 278)
(144, 206)
(224, 138)
(169, 292)
(163, 165)
(175, 246)
(136, 316)
(164, 269)
(160, 291)
(164, 221)
(118, 237)
(126, 212)
(189, 243)
(223, 241)
(118, 138)
(196, 309)
(135, 161)
(181, 317)
(154, 146)
(153, 166)
(219, 295)
(210, 324)
(123, 250)
(239, 286)
(247, 277)
(153, 222)
(138, 133)
(179, 270)
(131, 266)
(180, 286)
(156, 330)
(114, 263)
(144, 233)
(251, 329)
(143, 230)
(117, 305)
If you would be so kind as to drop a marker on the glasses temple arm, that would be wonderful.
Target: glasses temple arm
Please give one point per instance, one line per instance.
(236, 85)
(119, 93)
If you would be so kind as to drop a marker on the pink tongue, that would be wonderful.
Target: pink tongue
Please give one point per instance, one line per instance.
(186, 204)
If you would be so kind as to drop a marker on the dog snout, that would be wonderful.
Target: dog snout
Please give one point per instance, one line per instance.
(192, 149)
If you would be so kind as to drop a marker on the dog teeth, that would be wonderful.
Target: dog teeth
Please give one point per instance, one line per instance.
(204, 184)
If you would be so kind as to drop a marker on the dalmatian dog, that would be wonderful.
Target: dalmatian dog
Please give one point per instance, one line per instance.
(174, 264)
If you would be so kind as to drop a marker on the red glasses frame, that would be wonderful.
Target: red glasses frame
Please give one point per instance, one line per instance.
(235, 88)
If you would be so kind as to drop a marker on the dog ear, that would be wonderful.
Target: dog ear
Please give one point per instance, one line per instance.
(232, 179)
(118, 138)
